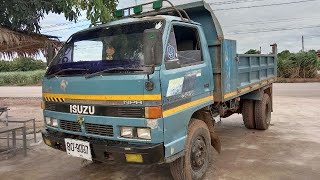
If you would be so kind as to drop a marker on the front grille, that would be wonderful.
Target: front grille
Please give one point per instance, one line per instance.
(99, 129)
(98, 141)
(131, 112)
(70, 126)
(51, 106)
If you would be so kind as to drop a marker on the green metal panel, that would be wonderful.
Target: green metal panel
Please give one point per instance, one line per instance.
(157, 5)
(119, 13)
(137, 9)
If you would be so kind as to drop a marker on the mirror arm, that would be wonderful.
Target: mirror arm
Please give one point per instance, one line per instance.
(152, 66)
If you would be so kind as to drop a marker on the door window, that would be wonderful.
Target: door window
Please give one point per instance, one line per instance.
(183, 48)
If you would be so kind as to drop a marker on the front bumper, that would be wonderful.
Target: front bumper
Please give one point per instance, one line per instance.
(106, 150)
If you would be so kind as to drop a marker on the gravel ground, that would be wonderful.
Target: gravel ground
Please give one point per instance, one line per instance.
(290, 149)
(24, 108)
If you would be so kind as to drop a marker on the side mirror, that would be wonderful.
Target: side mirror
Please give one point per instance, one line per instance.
(152, 47)
(50, 53)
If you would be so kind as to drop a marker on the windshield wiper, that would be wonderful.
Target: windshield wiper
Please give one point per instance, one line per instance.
(65, 70)
(111, 70)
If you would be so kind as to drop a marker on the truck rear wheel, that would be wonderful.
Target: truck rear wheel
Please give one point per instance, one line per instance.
(248, 114)
(263, 113)
(194, 164)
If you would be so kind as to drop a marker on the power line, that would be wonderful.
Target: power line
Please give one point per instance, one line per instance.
(264, 5)
(234, 2)
(216, 3)
(86, 20)
(272, 30)
(63, 24)
(312, 37)
(271, 21)
(65, 28)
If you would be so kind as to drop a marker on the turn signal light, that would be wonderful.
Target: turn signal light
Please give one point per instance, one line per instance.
(153, 112)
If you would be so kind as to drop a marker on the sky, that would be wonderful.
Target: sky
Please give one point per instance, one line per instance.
(283, 22)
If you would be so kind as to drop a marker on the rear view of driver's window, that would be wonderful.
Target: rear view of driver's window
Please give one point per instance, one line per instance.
(188, 45)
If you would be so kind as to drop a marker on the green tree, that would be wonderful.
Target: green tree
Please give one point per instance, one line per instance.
(253, 51)
(297, 65)
(284, 54)
(26, 15)
(283, 63)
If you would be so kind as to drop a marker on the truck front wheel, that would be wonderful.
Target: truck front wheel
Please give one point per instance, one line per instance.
(263, 113)
(194, 164)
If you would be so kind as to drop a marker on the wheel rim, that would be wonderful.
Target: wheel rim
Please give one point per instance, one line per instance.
(268, 113)
(198, 153)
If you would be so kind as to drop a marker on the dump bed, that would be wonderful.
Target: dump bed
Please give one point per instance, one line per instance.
(243, 73)
(234, 74)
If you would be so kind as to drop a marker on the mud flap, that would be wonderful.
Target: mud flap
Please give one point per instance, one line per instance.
(215, 141)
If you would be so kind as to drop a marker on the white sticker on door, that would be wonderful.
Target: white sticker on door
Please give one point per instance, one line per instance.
(175, 86)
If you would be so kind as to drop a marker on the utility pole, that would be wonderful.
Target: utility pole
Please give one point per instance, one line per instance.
(302, 43)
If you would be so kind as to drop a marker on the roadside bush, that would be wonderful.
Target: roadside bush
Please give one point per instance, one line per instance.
(22, 64)
(21, 78)
(297, 65)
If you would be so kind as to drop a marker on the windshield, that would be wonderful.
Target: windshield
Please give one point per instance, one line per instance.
(113, 47)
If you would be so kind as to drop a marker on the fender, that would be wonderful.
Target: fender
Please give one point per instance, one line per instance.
(208, 119)
(256, 95)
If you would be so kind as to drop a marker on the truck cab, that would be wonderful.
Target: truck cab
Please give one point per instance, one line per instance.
(134, 89)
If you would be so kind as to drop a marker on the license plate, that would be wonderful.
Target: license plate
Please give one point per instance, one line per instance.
(78, 148)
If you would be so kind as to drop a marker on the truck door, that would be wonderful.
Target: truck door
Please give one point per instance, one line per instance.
(185, 77)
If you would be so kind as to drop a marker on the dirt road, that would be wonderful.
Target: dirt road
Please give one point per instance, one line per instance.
(20, 91)
(290, 149)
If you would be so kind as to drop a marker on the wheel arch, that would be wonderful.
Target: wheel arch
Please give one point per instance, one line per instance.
(204, 115)
(257, 95)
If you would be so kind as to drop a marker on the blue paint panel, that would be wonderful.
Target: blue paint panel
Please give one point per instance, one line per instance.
(254, 68)
(196, 76)
(235, 72)
(240, 71)
(175, 127)
(229, 66)
(112, 84)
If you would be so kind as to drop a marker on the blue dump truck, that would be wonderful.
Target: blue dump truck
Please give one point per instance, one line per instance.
(148, 87)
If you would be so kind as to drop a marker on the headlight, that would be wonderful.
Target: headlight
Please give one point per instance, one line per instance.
(126, 132)
(54, 122)
(51, 121)
(48, 120)
(144, 133)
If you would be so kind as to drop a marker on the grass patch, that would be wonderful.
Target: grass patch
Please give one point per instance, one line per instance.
(21, 78)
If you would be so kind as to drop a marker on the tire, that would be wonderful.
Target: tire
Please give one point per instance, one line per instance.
(263, 113)
(248, 114)
(194, 164)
